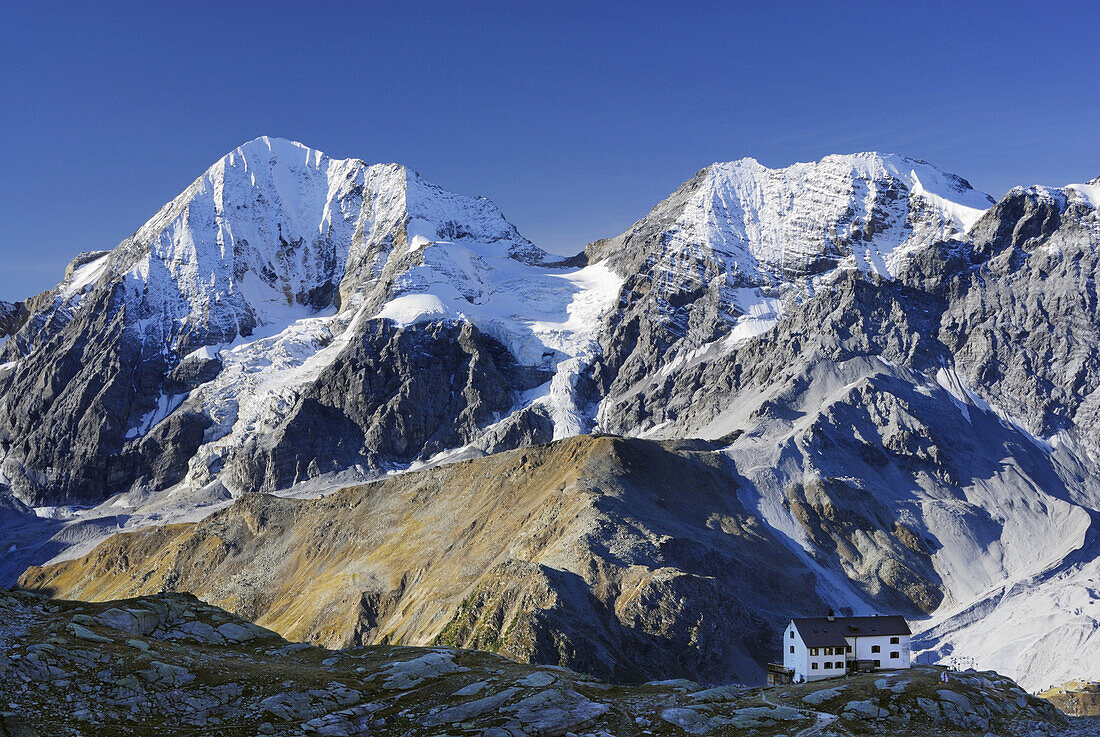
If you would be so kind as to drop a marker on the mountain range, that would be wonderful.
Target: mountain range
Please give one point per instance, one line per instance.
(856, 384)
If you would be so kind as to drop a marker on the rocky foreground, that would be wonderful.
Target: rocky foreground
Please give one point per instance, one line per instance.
(171, 664)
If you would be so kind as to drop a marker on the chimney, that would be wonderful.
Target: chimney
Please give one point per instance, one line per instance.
(830, 616)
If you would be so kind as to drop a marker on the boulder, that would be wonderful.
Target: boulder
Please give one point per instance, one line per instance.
(83, 633)
(867, 709)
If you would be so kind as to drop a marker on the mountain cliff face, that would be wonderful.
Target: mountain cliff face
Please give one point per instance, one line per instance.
(730, 251)
(9, 319)
(893, 374)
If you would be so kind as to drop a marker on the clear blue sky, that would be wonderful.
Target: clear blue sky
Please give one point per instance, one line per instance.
(575, 118)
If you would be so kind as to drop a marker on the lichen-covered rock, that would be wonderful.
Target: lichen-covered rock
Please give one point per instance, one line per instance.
(866, 709)
(83, 633)
(132, 621)
(166, 675)
(410, 673)
(292, 705)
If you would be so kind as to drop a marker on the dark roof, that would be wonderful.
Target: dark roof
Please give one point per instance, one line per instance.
(820, 632)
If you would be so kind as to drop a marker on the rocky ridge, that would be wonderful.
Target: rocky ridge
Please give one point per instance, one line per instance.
(1075, 698)
(627, 559)
(170, 662)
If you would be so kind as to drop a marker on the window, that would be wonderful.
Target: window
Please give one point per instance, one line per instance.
(792, 634)
(840, 664)
(876, 649)
(848, 648)
(895, 640)
(792, 648)
(895, 654)
(813, 651)
(813, 666)
(828, 651)
(878, 663)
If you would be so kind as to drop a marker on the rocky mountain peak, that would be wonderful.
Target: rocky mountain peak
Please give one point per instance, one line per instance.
(10, 319)
(277, 265)
(753, 226)
(275, 231)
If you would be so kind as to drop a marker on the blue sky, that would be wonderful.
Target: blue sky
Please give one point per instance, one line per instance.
(575, 118)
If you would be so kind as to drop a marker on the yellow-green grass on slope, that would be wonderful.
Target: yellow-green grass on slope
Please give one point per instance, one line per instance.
(1077, 698)
(624, 558)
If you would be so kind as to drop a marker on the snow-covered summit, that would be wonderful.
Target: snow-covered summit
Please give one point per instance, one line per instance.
(864, 210)
(275, 264)
(752, 225)
(275, 231)
(733, 249)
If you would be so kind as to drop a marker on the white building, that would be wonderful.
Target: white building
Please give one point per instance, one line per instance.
(827, 647)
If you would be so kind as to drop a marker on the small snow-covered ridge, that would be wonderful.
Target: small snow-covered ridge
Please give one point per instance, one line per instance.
(1088, 193)
(86, 275)
(961, 209)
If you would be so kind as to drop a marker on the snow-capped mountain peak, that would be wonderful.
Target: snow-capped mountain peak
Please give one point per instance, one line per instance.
(864, 210)
(745, 243)
(740, 226)
(275, 231)
(279, 261)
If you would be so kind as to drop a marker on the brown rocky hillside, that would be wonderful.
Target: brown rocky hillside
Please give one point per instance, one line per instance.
(628, 559)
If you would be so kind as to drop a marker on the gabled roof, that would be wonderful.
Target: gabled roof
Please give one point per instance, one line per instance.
(820, 632)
